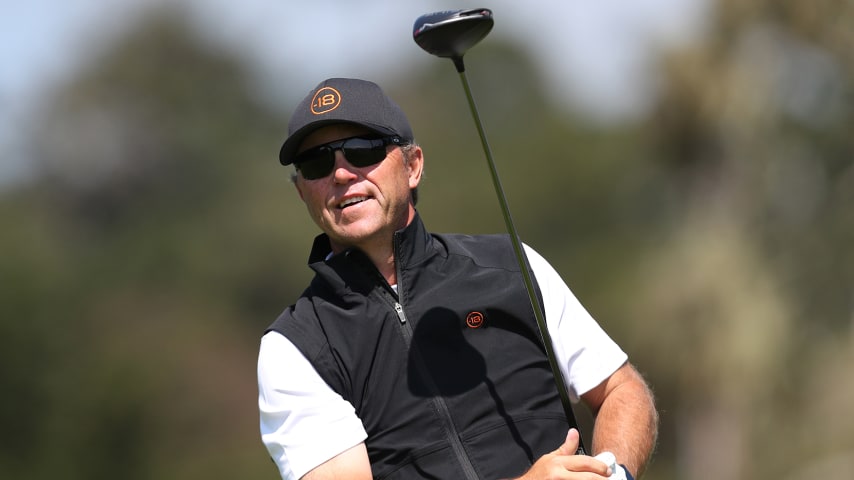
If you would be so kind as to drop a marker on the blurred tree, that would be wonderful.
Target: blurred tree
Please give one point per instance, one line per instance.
(755, 284)
(145, 268)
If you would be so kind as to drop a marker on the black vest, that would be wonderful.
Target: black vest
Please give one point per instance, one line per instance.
(449, 375)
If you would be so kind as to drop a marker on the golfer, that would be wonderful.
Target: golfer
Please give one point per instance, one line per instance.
(415, 355)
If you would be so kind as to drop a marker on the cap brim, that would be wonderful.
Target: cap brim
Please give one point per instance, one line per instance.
(291, 146)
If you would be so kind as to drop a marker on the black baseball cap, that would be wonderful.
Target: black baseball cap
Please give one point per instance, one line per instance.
(344, 100)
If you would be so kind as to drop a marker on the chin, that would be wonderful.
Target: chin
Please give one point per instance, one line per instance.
(355, 236)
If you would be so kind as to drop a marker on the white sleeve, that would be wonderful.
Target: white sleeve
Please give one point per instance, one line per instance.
(586, 354)
(303, 421)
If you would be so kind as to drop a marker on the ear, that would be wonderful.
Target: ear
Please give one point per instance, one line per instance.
(415, 166)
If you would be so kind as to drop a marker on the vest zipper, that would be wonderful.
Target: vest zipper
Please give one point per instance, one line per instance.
(400, 315)
(444, 412)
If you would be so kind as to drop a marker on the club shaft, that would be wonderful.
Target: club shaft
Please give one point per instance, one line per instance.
(521, 257)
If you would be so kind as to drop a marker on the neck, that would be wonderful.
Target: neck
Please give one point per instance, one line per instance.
(386, 266)
(381, 254)
(379, 249)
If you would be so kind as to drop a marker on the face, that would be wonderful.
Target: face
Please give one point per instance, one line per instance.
(360, 206)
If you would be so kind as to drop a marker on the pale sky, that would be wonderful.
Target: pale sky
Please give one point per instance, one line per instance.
(595, 54)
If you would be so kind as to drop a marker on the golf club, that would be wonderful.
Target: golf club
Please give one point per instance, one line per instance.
(449, 34)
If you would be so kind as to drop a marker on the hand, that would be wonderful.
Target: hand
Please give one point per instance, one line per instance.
(563, 463)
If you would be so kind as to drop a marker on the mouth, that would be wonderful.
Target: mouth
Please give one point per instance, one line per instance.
(351, 201)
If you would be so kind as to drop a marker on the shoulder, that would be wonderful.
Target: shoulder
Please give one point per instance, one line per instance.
(495, 250)
(277, 350)
(484, 250)
(299, 326)
(282, 367)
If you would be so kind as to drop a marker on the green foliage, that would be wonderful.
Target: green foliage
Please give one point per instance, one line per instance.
(713, 240)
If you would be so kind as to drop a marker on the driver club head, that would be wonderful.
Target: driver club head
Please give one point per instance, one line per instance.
(449, 34)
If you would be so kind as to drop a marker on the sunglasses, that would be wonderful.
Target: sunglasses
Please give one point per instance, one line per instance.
(318, 162)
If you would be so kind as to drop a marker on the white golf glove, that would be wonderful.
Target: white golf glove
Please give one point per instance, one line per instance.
(609, 459)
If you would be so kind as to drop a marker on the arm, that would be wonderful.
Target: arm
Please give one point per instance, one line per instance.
(352, 464)
(626, 419)
(626, 425)
(305, 425)
(597, 369)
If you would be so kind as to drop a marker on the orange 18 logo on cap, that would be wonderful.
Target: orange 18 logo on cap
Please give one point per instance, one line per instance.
(325, 100)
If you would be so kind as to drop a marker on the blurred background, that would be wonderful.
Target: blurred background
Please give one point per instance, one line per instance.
(687, 165)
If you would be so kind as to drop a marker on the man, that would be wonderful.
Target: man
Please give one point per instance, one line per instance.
(417, 355)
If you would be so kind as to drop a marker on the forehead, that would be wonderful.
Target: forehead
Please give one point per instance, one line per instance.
(331, 133)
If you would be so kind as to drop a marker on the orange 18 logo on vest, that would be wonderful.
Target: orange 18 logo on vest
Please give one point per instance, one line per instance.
(474, 319)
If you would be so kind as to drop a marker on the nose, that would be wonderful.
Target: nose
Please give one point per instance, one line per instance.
(343, 172)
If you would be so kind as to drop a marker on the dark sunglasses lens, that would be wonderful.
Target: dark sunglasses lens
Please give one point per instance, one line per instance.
(364, 157)
(359, 152)
(315, 164)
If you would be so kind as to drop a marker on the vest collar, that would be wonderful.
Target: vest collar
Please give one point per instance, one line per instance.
(412, 244)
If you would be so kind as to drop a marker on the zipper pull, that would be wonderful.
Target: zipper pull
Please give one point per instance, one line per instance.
(399, 309)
